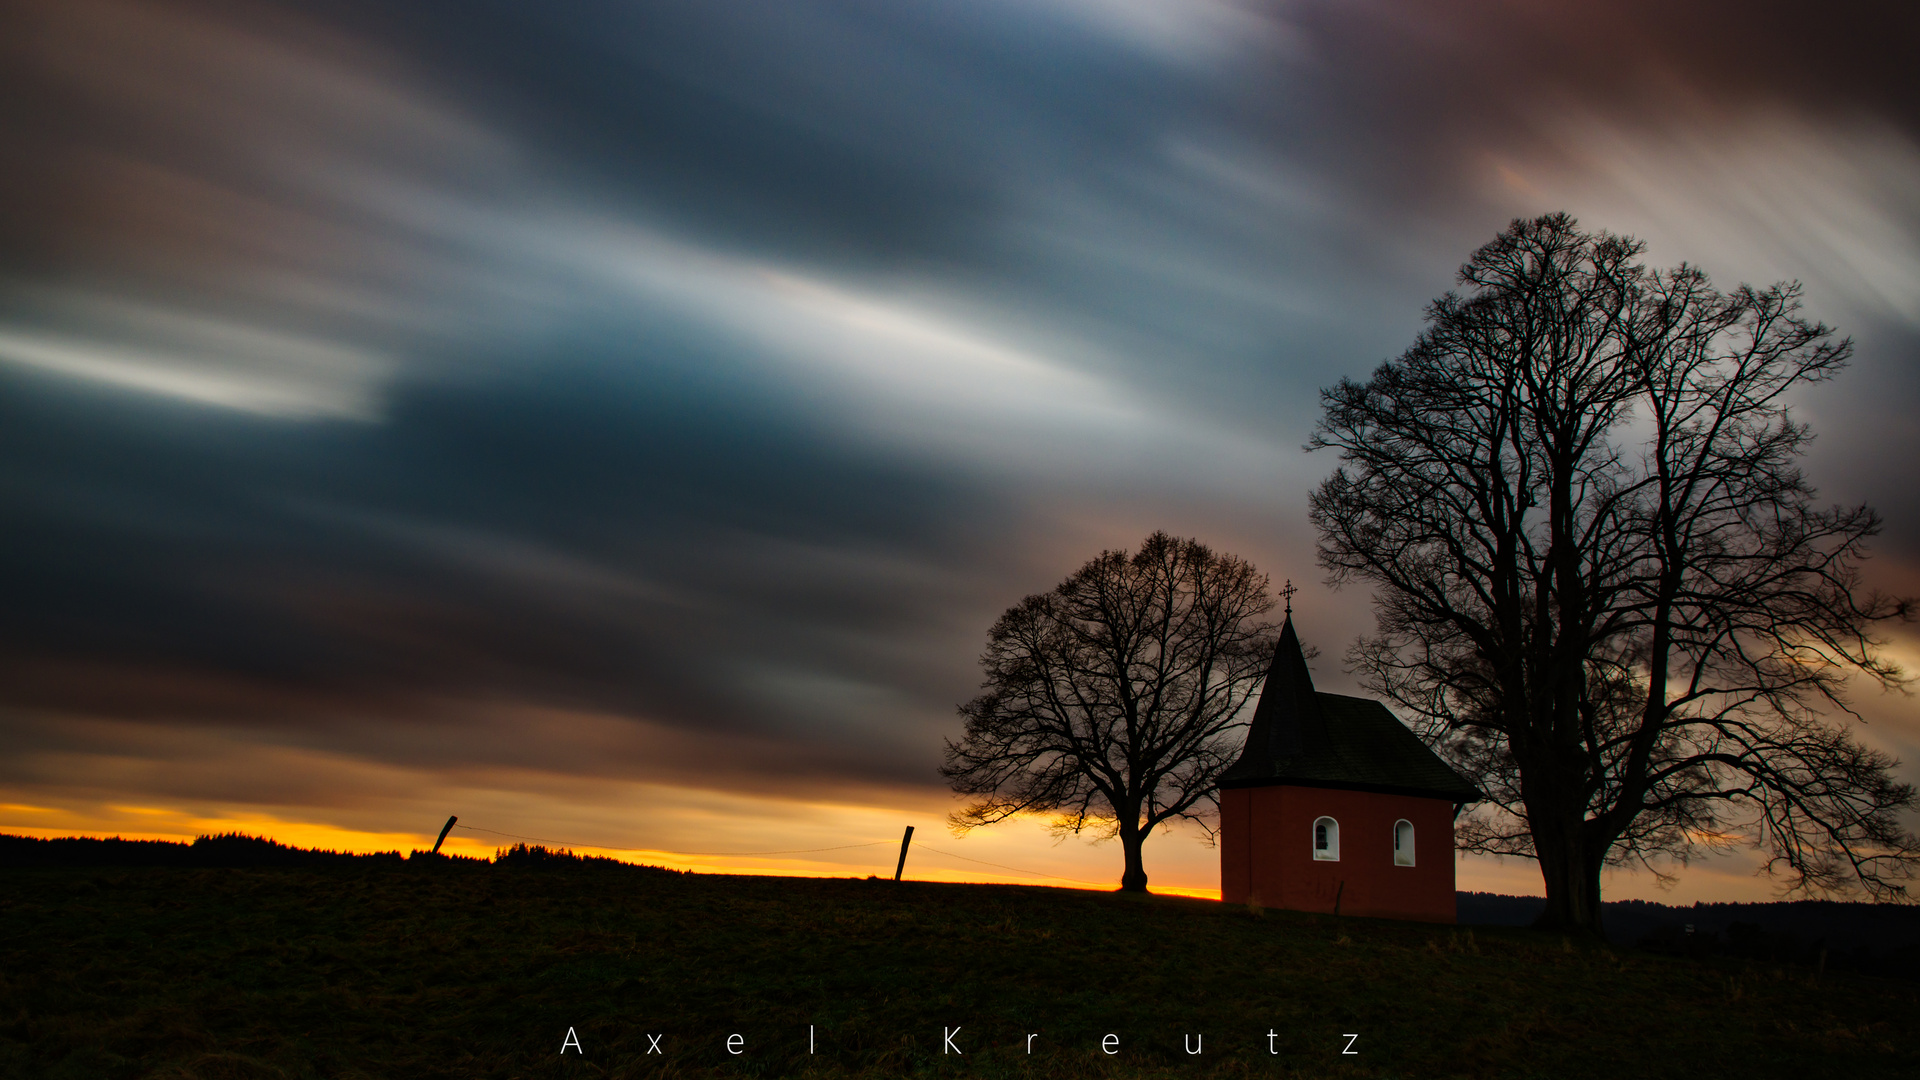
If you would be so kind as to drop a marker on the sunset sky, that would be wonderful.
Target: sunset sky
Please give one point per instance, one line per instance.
(619, 423)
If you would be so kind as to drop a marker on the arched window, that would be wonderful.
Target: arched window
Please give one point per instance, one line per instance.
(1403, 843)
(1326, 839)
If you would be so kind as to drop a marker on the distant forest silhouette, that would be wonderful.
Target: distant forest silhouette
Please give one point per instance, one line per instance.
(1873, 939)
(240, 851)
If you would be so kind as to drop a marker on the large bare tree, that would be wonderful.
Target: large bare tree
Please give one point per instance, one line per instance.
(1108, 701)
(1601, 581)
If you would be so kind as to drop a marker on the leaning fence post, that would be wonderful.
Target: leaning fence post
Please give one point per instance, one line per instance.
(444, 830)
(904, 841)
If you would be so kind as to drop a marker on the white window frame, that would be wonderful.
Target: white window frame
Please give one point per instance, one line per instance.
(1331, 853)
(1402, 854)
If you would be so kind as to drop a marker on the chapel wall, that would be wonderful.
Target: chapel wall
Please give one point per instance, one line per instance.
(1266, 851)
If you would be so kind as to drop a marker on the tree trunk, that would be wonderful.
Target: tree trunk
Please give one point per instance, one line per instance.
(1571, 873)
(1134, 879)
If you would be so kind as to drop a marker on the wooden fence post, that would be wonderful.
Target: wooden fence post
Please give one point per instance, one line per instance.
(904, 841)
(444, 830)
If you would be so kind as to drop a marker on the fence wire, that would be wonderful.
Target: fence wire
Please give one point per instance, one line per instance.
(791, 851)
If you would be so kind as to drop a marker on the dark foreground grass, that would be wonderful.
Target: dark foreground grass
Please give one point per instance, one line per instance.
(436, 969)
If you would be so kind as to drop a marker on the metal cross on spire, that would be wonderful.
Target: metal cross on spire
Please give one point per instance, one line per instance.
(1287, 595)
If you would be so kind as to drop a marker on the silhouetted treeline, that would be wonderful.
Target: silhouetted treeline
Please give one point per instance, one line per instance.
(225, 850)
(237, 850)
(539, 856)
(1874, 939)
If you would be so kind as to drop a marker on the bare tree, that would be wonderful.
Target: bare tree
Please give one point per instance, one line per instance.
(1107, 701)
(1601, 582)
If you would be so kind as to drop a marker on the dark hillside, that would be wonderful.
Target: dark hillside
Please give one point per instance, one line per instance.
(430, 967)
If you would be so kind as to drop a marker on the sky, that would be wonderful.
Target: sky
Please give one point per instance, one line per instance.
(619, 423)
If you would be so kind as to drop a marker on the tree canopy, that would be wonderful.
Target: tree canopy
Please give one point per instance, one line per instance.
(1602, 584)
(1107, 701)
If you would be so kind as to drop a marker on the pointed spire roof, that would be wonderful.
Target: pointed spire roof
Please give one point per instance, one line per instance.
(1301, 736)
(1287, 721)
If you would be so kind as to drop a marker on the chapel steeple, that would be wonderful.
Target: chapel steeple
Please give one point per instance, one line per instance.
(1288, 721)
(1299, 735)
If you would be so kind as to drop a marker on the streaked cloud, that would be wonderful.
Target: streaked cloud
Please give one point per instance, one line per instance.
(219, 364)
(1763, 196)
(1190, 31)
(637, 413)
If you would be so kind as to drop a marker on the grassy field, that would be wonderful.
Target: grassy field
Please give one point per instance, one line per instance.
(439, 969)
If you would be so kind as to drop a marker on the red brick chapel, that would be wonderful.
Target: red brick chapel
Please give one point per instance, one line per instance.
(1334, 806)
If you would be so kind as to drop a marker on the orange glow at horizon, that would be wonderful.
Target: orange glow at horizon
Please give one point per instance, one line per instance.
(924, 861)
(1178, 866)
(332, 838)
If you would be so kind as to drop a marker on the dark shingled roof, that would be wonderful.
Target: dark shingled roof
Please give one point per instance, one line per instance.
(1302, 736)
